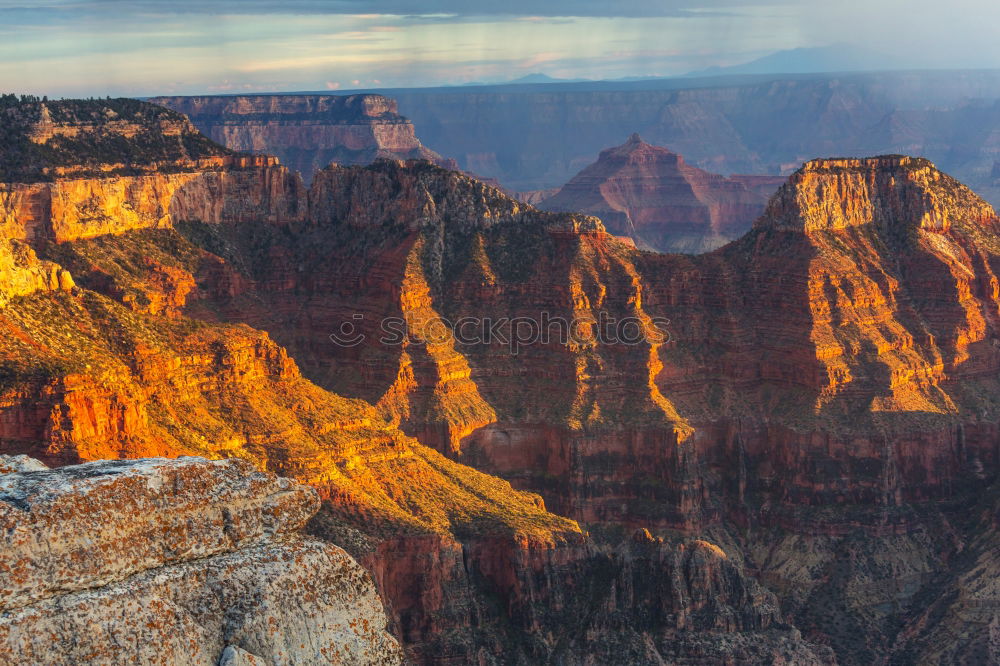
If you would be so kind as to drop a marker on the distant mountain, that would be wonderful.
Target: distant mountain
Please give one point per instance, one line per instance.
(651, 195)
(834, 58)
(538, 77)
(534, 77)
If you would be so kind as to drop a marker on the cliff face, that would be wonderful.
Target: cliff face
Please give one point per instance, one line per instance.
(176, 561)
(651, 195)
(43, 140)
(113, 367)
(69, 209)
(819, 323)
(22, 273)
(307, 132)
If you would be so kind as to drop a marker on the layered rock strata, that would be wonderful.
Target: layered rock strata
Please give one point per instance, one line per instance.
(540, 136)
(651, 195)
(307, 132)
(826, 375)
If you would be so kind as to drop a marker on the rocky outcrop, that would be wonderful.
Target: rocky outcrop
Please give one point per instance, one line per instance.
(20, 463)
(307, 132)
(651, 195)
(81, 169)
(22, 273)
(176, 561)
(45, 140)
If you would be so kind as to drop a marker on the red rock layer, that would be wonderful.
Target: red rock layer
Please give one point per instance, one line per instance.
(652, 196)
(70, 209)
(839, 352)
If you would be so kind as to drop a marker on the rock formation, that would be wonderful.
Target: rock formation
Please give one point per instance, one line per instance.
(794, 462)
(651, 195)
(307, 132)
(811, 385)
(109, 363)
(176, 561)
(43, 140)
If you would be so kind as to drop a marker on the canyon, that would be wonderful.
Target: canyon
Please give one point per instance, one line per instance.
(132, 351)
(534, 137)
(795, 462)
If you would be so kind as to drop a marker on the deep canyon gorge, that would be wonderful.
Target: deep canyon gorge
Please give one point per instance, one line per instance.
(802, 472)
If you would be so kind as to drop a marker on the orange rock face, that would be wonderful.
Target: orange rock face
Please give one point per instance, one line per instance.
(651, 195)
(67, 210)
(814, 335)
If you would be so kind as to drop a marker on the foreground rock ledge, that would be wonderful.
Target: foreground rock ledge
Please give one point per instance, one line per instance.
(172, 562)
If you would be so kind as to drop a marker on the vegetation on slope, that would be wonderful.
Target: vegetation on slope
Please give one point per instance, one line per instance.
(37, 135)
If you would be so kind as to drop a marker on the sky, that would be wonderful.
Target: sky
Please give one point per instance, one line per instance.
(78, 48)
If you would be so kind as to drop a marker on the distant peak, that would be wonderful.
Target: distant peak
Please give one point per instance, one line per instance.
(636, 148)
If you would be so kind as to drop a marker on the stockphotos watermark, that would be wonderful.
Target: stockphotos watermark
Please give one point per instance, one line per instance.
(515, 333)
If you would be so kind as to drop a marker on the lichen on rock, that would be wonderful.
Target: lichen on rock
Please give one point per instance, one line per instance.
(176, 562)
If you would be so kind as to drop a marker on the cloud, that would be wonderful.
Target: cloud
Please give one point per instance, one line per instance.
(149, 46)
(332, 85)
(444, 9)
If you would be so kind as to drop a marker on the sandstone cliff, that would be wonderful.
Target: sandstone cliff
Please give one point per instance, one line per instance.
(652, 196)
(176, 562)
(68, 209)
(307, 132)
